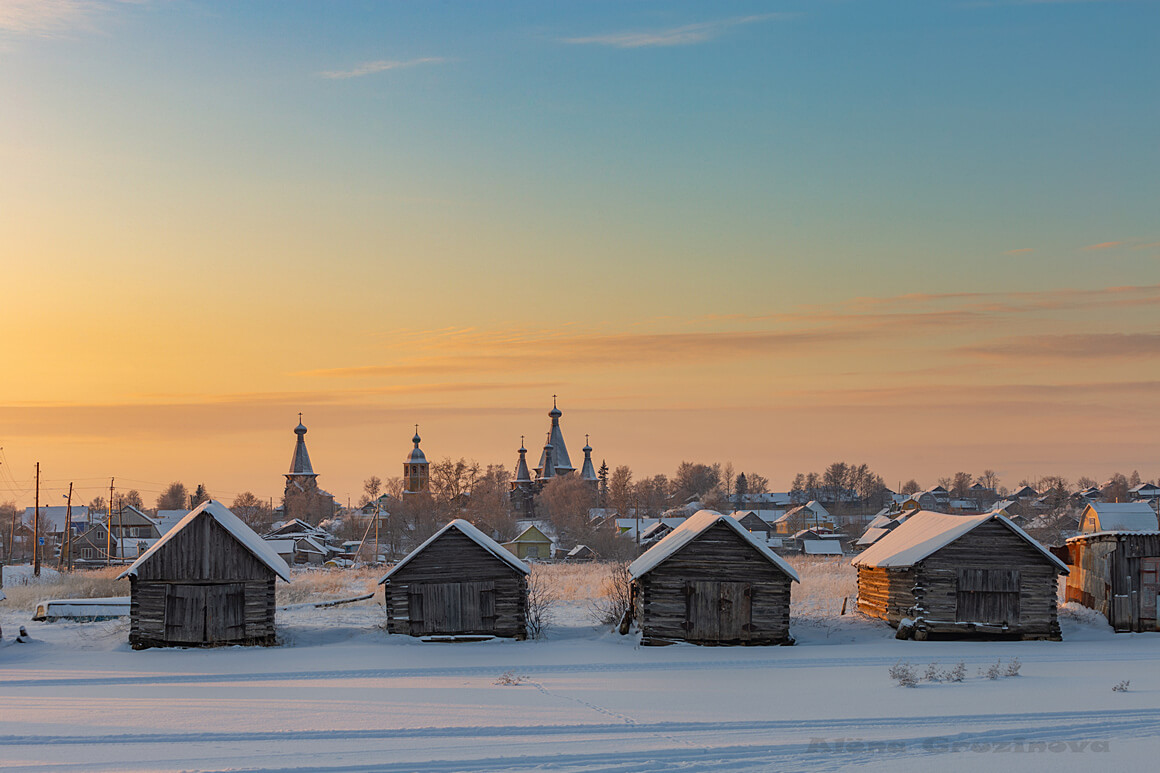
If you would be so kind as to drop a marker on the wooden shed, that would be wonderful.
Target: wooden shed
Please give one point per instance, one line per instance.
(208, 581)
(1118, 575)
(710, 581)
(960, 574)
(460, 582)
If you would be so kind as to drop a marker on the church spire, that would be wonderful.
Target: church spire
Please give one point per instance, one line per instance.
(548, 468)
(563, 464)
(587, 472)
(300, 464)
(416, 469)
(522, 474)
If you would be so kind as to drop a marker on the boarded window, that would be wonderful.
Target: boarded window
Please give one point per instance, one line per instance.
(989, 596)
(451, 607)
(718, 611)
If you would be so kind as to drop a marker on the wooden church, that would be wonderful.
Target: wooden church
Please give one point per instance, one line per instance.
(209, 581)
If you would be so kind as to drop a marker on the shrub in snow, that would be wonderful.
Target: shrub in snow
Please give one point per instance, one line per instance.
(904, 674)
(510, 678)
(993, 671)
(932, 673)
(615, 596)
(1013, 668)
(956, 674)
(541, 600)
(1121, 687)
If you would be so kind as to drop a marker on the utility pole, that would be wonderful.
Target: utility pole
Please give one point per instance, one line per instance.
(11, 558)
(109, 528)
(121, 533)
(67, 542)
(36, 528)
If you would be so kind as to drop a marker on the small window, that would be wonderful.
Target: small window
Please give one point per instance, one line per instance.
(86, 552)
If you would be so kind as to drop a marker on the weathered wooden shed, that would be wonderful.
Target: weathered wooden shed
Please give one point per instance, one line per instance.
(960, 574)
(460, 582)
(208, 581)
(1117, 573)
(710, 581)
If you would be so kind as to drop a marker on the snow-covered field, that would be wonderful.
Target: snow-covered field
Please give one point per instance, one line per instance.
(342, 695)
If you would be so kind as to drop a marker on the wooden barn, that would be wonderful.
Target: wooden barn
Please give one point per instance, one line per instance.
(1118, 575)
(460, 582)
(960, 574)
(208, 581)
(710, 581)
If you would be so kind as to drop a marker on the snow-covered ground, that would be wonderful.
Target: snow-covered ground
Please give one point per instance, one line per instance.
(342, 695)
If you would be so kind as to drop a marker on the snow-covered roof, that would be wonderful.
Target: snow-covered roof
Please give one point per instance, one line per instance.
(872, 535)
(1118, 516)
(231, 523)
(692, 528)
(926, 532)
(473, 534)
(281, 546)
(56, 516)
(821, 547)
(167, 519)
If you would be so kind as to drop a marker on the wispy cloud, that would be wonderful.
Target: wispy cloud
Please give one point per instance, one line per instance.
(1078, 346)
(380, 65)
(1103, 246)
(684, 35)
(48, 18)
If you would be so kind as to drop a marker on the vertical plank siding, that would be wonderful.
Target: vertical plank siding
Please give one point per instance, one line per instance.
(202, 588)
(1116, 575)
(989, 581)
(715, 590)
(455, 587)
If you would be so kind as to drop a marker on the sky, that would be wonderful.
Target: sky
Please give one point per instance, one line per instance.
(921, 235)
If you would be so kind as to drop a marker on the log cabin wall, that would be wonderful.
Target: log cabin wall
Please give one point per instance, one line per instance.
(202, 581)
(990, 571)
(716, 590)
(1116, 574)
(456, 587)
(887, 594)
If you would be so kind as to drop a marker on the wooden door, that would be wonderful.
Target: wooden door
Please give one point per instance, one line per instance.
(225, 616)
(718, 611)
(1149, 590)
(185, 607)
(452, 607)
(988, 596)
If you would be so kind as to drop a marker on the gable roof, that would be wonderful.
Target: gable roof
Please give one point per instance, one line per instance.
(926, 532)
(473, 534)
(231, 523)
(1122, 516)
(693, 527)
(530, 535)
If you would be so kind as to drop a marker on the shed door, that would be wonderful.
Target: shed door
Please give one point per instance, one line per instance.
(452, 607)
(225, 616)
(1149, 590)
(185, 607)
(989, 596)
(718, 611)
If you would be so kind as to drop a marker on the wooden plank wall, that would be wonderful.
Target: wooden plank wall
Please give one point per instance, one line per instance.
(204, 553)
(455, 558)
(1106, 577)
(991, 546)
(718, 555)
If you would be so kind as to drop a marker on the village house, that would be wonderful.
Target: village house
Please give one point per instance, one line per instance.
(460, 582)
(960, 574)
(208, 581)
(1117, 516)
(531, 543)
(710, 581)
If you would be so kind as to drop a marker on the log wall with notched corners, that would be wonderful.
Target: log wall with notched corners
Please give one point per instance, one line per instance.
(718, 589)
(202, 588)
(455, 587)
(988, 581)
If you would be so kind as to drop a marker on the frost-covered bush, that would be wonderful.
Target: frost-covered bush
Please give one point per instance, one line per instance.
(956, 674)
(615, 596)
(904, 674)
(1121, 686)
(541, 600)
(1013, 667)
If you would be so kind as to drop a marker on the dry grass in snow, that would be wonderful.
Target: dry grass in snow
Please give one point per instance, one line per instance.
(24, 590)
(316, 585)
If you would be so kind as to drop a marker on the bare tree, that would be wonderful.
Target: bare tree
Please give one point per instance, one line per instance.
(565, 502)
(910, 487)
(693, 480)
(990, 479)
(175, 497)
(620, 490)
(253, 511)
